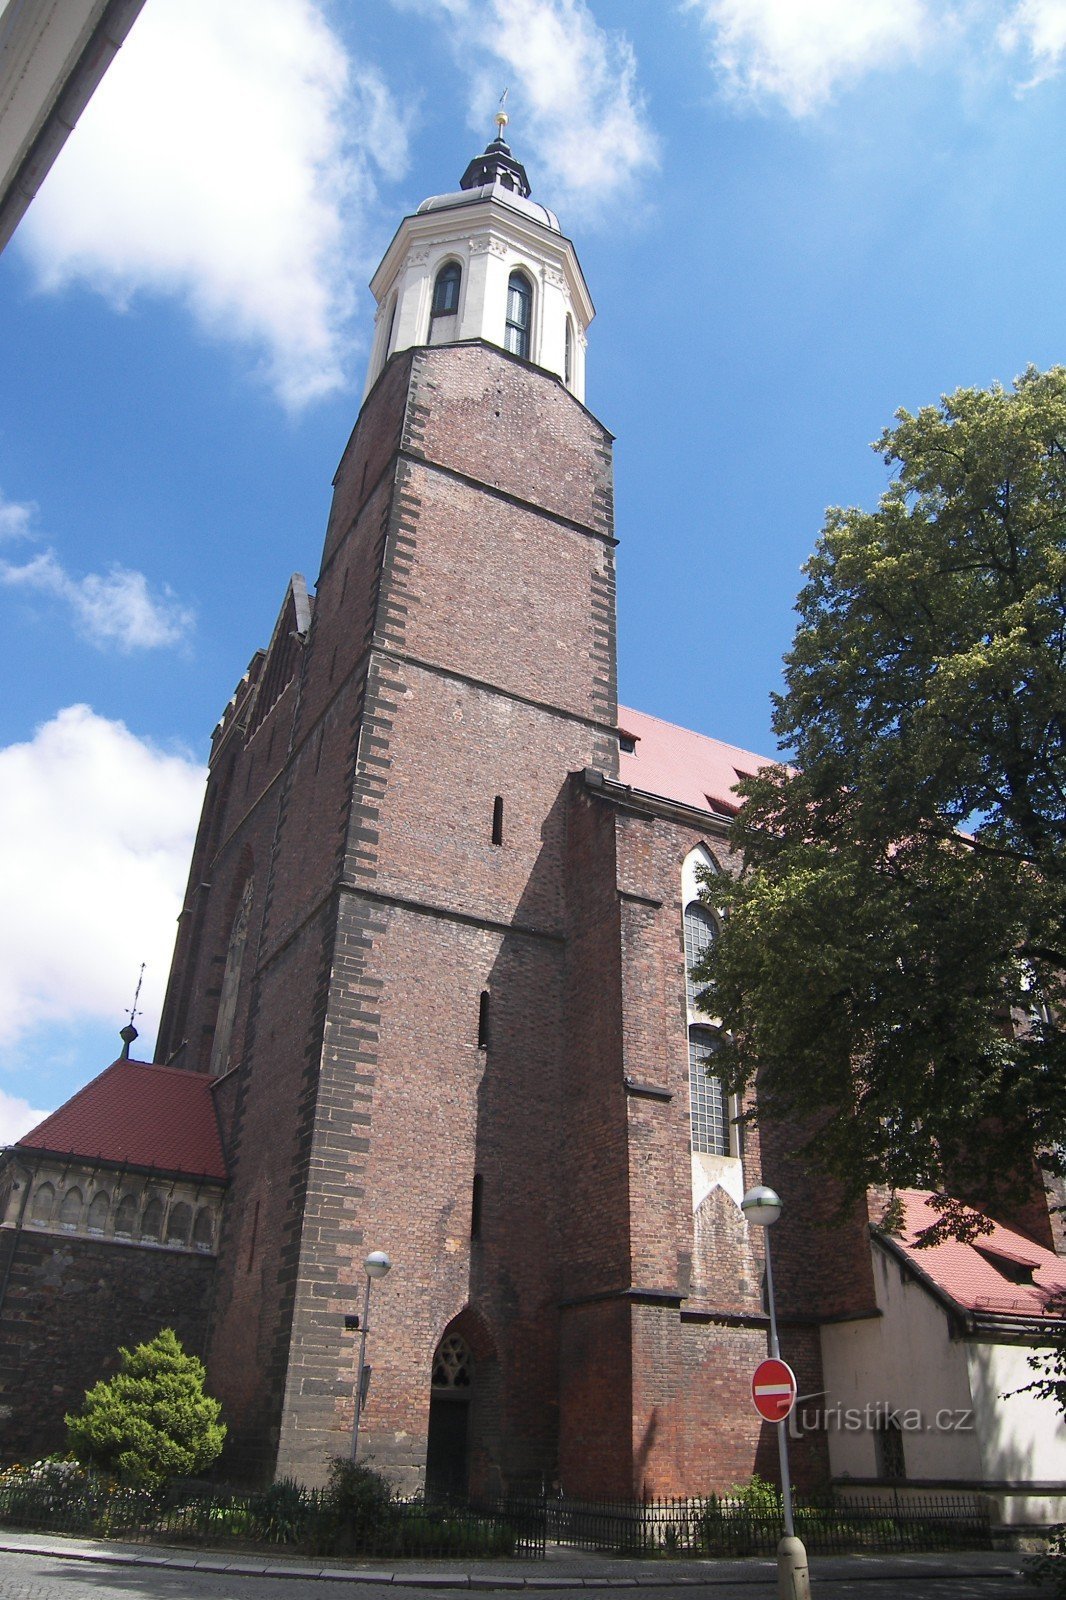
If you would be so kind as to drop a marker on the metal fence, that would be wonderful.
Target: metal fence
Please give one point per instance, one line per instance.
(282, 1517)
(717, 1526)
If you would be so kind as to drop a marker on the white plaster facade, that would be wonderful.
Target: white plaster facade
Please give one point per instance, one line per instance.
(491, 232)
(953, 1388)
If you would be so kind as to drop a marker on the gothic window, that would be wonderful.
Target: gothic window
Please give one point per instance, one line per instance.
(453, 1367)
(701, 930)
(231, 982)
(446, 290)
(179, 1223)
(519, 314)
(43, 1201)
(203, 1234)
(97, 1218)
(152, 1220)
(707, 1102)
(70, 1210)
(126, 1216)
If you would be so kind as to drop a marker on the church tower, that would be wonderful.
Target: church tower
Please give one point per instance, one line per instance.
(371, 961)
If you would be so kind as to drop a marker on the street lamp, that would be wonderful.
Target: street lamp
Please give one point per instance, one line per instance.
(762, 1206)
(376, 1265)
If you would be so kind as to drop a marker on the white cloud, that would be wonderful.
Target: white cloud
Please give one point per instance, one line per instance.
(800, 52)
(574, 92)
(1039, 28)
(15, 518)
(17, 1117)
(96, 831)
(227, 159)
(112, 610)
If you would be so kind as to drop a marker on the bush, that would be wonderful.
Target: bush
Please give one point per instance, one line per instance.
(356, 1512)
(152, 1421)
(280, 1514)
(1050, 1568)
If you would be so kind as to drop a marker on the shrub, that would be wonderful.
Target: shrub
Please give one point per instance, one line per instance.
(152, 1421)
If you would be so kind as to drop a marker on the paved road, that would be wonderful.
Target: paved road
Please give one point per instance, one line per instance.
(50, 1577)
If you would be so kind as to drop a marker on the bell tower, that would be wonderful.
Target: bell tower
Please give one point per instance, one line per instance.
(486, 262)
(374, 951)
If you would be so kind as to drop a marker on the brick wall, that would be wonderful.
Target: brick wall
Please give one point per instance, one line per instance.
(68, 1305)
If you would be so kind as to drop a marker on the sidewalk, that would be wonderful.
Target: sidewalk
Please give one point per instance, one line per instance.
(561, 1569)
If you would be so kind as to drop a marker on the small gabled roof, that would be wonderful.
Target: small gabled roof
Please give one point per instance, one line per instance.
(137, 1115)
(685, 767)
(967, 1273)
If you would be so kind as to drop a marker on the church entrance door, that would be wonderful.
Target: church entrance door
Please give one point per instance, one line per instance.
(449, 1412)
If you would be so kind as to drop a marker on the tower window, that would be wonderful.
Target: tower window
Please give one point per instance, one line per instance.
(446, 290)
(710, 1127)
(483, 1021)
(497, 820)
(568, 354)
(475, 1207)
(519, 314)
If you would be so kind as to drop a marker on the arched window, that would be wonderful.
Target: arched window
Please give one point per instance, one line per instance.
(701, 930)
(97, 1219)
(203, 1234)
(519, 314)
(70, 1210)
(707, 1103)
(179, 1223)
(152, 1220)
(126, 1216)
(453, 1366)
(446, 290)
(568, 354)
(43, 1200)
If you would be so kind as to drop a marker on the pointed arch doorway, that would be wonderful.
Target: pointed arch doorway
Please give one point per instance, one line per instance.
(451, 1393)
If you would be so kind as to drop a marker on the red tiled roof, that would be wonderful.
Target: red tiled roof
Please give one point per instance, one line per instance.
(141, 1116)
(969, 1277)
(682, 766)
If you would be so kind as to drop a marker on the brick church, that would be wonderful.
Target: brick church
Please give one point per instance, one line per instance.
(429, 996)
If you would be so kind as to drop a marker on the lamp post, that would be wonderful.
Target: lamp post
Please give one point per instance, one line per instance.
(376, 1265)
(762, 1206)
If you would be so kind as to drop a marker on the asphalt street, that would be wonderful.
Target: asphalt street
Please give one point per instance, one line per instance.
(34, 1575)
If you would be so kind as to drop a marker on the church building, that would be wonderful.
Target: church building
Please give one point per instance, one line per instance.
(430, 997)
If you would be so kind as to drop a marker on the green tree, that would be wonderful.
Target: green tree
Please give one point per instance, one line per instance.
(891, 967)
(152, 1421)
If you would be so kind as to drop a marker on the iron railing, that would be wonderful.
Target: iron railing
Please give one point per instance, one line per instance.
(724, 1526)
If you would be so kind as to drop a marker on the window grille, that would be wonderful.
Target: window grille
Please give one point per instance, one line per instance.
(519, 315)
(701, 930)
(707, 1101)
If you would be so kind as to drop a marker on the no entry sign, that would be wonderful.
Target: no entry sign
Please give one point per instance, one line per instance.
(773, 1389)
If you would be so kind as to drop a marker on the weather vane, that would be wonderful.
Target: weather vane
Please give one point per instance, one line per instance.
(501, 119)
(132, 1013)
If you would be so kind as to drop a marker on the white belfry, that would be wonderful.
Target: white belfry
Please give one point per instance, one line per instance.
(486, 262)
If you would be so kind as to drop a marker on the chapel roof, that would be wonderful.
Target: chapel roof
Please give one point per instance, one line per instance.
(137, 1115)
(968, 1273)
(688, 768)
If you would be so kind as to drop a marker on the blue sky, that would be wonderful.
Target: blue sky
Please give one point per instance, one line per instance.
(795, 216)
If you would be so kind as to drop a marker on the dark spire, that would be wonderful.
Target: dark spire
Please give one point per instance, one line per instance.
(497, 165)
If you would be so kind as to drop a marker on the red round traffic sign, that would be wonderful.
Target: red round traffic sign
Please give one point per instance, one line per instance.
(773, 1389)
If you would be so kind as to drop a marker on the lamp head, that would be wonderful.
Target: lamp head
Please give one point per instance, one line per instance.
(761, 1205)
(376, 1264)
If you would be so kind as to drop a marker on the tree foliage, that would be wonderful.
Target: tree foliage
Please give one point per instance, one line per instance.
(892, 962)
(152, 1421)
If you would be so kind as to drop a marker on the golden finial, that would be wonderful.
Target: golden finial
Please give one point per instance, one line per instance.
(501, 118)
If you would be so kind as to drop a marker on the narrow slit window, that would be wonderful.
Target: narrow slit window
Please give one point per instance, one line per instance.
(497, 820)
(475, 1207)
(483, 1021)
(568, 355)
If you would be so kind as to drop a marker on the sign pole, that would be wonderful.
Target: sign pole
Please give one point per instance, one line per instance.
(782, 1426)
